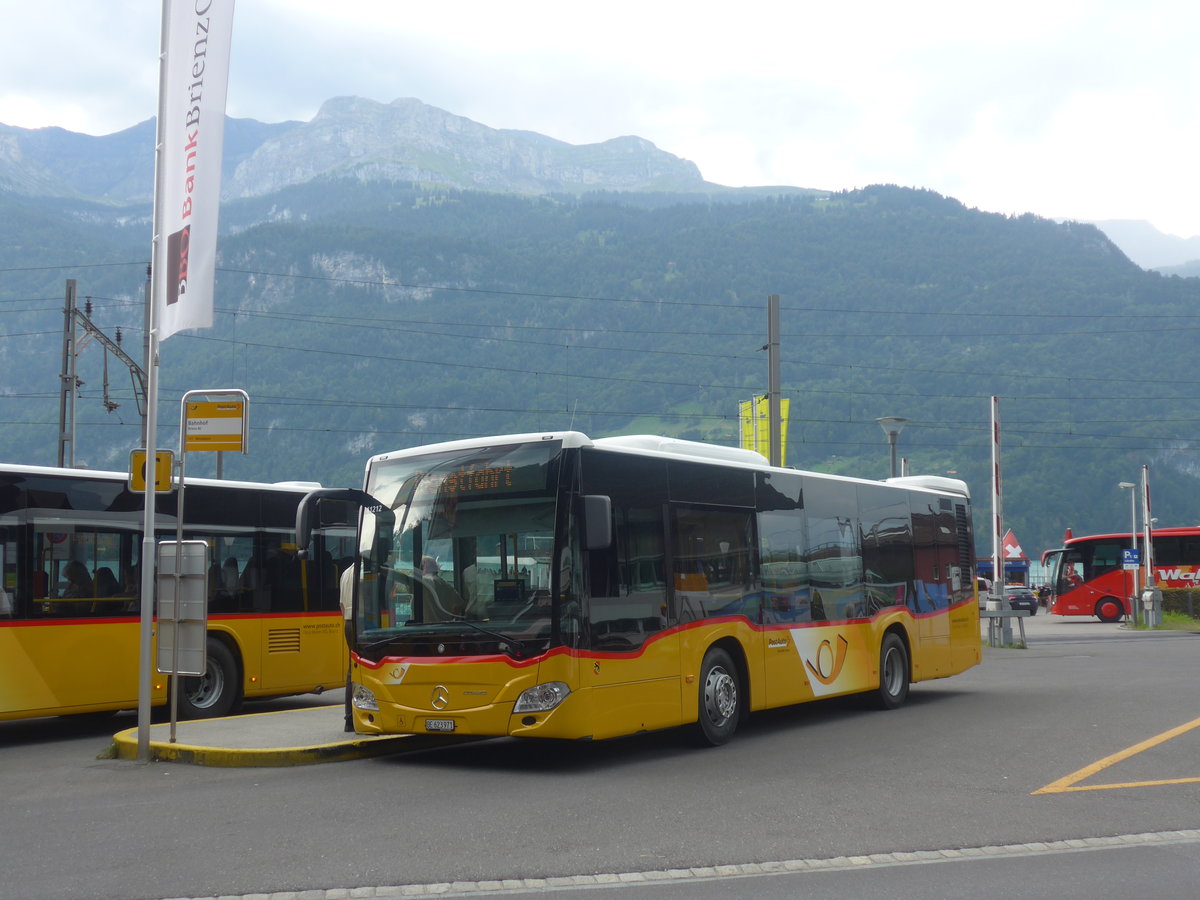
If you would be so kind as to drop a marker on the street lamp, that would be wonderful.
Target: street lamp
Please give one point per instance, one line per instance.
(892, 426)
(1133, 594)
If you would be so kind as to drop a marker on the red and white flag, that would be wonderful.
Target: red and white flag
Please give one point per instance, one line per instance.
(197, 35)
(1012, 549)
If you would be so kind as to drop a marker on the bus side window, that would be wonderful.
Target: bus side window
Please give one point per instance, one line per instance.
(628, 608)
(713, 565)
(786, 591)
(1106, 556)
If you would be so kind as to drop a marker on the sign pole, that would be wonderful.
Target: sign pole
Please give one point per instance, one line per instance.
(146, 594)
(178, 592)
(996, 599)
(193, 78)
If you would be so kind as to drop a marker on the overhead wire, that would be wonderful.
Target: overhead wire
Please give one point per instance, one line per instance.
(355, 321)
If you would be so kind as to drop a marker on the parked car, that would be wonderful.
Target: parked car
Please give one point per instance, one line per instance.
(1021, 597)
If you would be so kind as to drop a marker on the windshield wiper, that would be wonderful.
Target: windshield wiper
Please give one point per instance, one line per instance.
(379, 643)
(511, 645)
(515, 647)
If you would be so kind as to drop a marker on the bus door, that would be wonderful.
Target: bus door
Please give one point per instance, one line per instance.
(635, 668)
(1051, 559)
(712, 567)
(939, 577)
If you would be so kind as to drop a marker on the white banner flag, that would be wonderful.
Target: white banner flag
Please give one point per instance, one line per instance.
(191, 128)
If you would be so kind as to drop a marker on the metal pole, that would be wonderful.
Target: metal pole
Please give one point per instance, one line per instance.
(996, 601)
(773, 389)
(1133, 542)
(892, 426)
(1150, 580)
(158, 267)
(146, 346)
(66, 401)
(1153, 613)
(146, 656)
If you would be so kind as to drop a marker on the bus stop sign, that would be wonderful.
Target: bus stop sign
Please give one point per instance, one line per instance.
(215, 425)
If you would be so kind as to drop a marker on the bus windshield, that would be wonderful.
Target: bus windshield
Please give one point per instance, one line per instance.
(468, 568)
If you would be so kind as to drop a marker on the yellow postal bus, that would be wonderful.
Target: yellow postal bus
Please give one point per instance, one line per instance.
(551, 585)
(70, 548)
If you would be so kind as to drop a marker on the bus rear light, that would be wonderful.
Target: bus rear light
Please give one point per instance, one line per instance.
(364, 698)
(542, 698)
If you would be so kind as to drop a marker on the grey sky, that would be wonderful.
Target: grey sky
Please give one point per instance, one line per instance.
(1071, 109)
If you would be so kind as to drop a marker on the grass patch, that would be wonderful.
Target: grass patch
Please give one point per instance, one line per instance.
(1173, 621)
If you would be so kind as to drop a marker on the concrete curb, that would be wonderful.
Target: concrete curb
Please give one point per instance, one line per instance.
(288, 738)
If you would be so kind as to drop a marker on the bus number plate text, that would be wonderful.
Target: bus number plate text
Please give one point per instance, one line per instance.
(439, 724)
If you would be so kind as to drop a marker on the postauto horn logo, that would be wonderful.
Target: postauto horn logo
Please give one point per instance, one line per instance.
(824, 658)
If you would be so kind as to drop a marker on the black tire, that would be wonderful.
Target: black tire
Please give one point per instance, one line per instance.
(216, 693)
(894, 673)
(1109, 609)
(720, 698)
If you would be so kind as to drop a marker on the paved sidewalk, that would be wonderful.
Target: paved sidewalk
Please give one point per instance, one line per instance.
(287, 738)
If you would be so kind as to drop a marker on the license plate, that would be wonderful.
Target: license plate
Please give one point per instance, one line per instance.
(439, 724)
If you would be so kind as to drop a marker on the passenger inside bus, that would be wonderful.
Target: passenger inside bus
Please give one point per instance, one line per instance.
(79, 582)
(479, 580)
(442, 600)
(106, 583)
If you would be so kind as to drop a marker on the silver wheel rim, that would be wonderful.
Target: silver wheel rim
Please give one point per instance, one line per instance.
(893, 672)
(720, 696)
(207, 687)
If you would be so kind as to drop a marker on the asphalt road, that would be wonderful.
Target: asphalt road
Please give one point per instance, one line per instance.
(1013, 765)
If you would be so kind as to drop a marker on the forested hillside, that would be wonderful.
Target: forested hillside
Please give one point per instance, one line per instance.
(363, 317)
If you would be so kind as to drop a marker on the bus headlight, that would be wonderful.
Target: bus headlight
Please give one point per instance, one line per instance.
(364, 698)
(542, 698)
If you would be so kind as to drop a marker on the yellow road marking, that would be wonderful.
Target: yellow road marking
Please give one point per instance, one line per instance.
(1071, 782)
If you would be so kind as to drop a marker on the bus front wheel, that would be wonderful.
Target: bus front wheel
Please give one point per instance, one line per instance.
(216, 693)
(894, 675)
(1109, 609)
(720, 696)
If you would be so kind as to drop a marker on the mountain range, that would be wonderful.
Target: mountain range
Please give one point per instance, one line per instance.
(1151, 248)
(402, 141)
(409, 141)
(391, 275)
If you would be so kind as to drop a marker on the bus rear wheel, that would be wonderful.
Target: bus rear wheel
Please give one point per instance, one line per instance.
(720, 698)
(216, 693)
(894, 675)
(1109, 609)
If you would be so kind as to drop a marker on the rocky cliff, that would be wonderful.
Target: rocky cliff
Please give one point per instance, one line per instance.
(403, 141)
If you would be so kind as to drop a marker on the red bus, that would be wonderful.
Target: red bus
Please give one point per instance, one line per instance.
(1088, 578)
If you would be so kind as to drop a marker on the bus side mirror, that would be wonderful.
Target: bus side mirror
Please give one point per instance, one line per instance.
(597, 522)
(306, 513)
